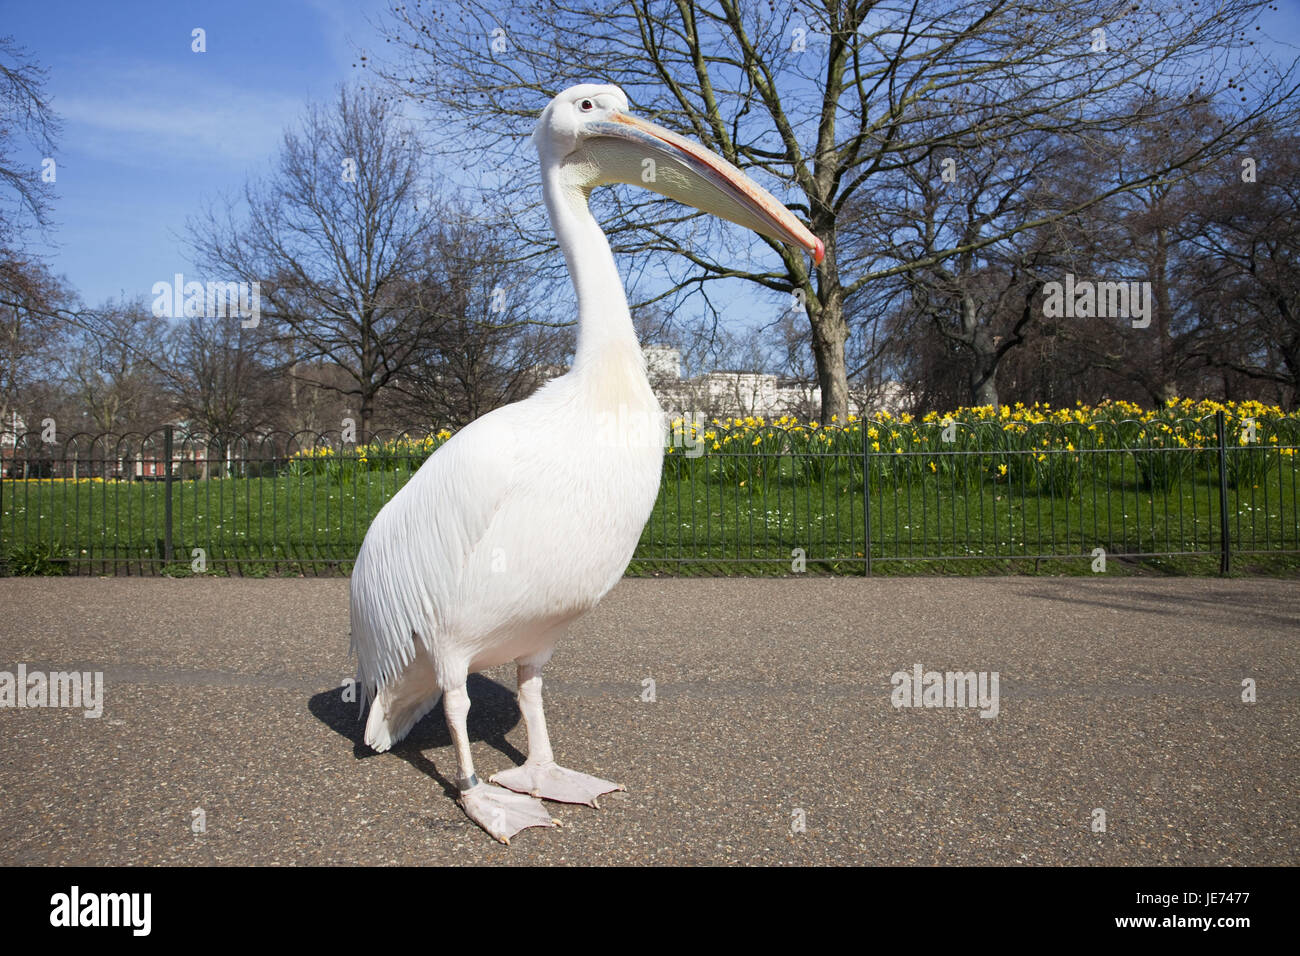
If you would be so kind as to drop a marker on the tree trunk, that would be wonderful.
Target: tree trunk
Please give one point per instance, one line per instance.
(829, 334)
(1166, 391)
(984, 352)
(984, 372)
(984, 389)
(1166, 386)
(1290, 341)
(829, 330)
(367, 416)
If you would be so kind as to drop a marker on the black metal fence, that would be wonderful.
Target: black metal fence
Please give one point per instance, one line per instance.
(876, 496)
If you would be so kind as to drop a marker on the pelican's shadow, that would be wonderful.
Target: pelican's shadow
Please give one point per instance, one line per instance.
(493, 712)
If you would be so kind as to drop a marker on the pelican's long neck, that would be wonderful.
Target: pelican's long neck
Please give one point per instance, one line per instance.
(605, 333)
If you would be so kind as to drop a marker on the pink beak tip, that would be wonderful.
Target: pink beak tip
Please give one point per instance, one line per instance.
(818, 251)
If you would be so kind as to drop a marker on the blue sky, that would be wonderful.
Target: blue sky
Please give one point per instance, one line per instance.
(154, 131)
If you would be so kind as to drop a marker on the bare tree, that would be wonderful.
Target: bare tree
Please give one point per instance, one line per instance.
(979, 300)
(109, 369)
(30, 296)
(25, 115)
(1134, 236)
(829, 99)
(216, 373)
(335, 237)
(491, 339)
(31, 335)
(1247, 224)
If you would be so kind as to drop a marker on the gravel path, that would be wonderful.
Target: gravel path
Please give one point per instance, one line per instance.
(773, 708)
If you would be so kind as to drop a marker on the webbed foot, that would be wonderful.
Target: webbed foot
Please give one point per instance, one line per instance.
(552, 782)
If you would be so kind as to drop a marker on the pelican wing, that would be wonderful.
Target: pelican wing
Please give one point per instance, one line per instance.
(413, 560)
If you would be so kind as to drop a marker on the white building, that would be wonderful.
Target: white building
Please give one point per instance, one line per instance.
(10, 430)
(742, 393)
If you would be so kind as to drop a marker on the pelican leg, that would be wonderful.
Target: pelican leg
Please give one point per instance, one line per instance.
(540, 776)
(501, 813)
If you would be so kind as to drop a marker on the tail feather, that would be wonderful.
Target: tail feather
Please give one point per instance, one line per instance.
(386, 727)
(400, 705)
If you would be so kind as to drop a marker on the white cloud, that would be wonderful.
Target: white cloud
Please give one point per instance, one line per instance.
(143, 116)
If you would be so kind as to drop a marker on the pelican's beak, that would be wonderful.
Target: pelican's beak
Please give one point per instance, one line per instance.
(631, 150)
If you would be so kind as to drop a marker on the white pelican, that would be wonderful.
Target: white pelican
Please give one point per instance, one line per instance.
(525, 518)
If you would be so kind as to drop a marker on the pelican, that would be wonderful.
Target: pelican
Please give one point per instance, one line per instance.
(524, 519)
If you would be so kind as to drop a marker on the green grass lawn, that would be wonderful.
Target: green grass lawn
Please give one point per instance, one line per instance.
(741, 514)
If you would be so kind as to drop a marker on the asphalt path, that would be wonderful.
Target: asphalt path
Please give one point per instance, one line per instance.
(772, 736)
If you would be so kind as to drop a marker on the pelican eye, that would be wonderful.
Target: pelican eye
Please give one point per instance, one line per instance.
(586, 106)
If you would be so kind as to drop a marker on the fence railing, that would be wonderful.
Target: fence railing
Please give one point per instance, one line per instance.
(876, 496)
